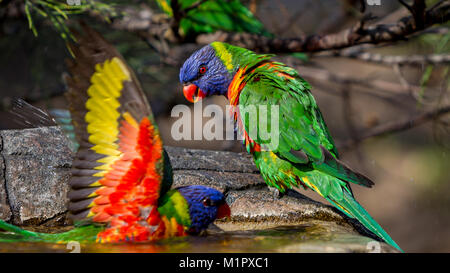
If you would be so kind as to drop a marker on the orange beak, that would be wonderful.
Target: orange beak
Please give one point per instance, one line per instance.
(192, 93)
(223, 211)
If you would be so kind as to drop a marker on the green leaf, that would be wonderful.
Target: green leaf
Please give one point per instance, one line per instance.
(58, 12)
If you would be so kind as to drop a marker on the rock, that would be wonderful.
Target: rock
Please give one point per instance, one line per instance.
(223, 181)
(218, 161)
(257, 209)
(37, 169)
(5, 211)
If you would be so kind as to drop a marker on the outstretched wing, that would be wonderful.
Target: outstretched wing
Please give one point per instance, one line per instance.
(303, 137)
(120, 169)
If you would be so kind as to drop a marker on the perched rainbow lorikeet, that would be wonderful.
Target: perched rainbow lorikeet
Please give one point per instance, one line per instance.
(304, 153)
(121, 175)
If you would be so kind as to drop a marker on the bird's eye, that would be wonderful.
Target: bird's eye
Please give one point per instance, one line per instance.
(202, 69)
(207, 202)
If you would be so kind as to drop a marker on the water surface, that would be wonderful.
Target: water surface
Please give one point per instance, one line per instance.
(299, 238)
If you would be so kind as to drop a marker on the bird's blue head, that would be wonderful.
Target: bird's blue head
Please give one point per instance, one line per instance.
(205, 205)
(204, 74)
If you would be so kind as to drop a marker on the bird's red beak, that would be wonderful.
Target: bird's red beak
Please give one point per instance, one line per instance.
(192, 93)
(223, 211)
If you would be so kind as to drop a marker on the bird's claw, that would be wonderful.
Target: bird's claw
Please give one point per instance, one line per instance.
(276, 194)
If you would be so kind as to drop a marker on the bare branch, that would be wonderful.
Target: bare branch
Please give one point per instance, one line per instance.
(419, 12)
(381, 86)
(407, 6)
(177, 16)
(435, 59)
(193, 6)
(397, 126)
(406, 85)
(375, 34)
(437, 4)
(362, 9)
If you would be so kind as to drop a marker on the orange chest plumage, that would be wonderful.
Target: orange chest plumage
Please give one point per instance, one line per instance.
(234, 90)
(237, 85)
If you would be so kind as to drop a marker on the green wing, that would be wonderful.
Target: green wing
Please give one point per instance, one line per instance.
(303, 138)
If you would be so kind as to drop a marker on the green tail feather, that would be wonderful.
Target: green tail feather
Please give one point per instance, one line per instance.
(358, 212)
(86, 233)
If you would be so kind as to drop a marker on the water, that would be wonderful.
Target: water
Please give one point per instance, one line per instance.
(300, 238)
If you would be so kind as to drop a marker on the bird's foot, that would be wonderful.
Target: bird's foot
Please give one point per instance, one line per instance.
(276, 194)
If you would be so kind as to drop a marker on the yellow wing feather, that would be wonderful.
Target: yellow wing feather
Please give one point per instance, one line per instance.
(102, 115)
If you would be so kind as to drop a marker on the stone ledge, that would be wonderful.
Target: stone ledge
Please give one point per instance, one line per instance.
(35, 169)
(35, 174)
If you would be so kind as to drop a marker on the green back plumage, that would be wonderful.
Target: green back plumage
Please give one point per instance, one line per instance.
(234, 57)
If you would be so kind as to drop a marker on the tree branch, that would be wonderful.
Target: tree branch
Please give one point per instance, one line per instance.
(193, 6)
(435, 59)
(357, 35)
(397, 126)
(372, 83)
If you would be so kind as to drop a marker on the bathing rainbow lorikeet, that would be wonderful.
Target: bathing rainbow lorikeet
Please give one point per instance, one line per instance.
(304, 152)
(179, 212)
(121, 175)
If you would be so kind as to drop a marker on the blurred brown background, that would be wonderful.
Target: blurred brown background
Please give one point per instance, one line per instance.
(410, 166)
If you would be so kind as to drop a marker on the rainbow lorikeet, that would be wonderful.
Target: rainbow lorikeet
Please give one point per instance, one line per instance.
(121, 175)
(304, 153)
(179, 212)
